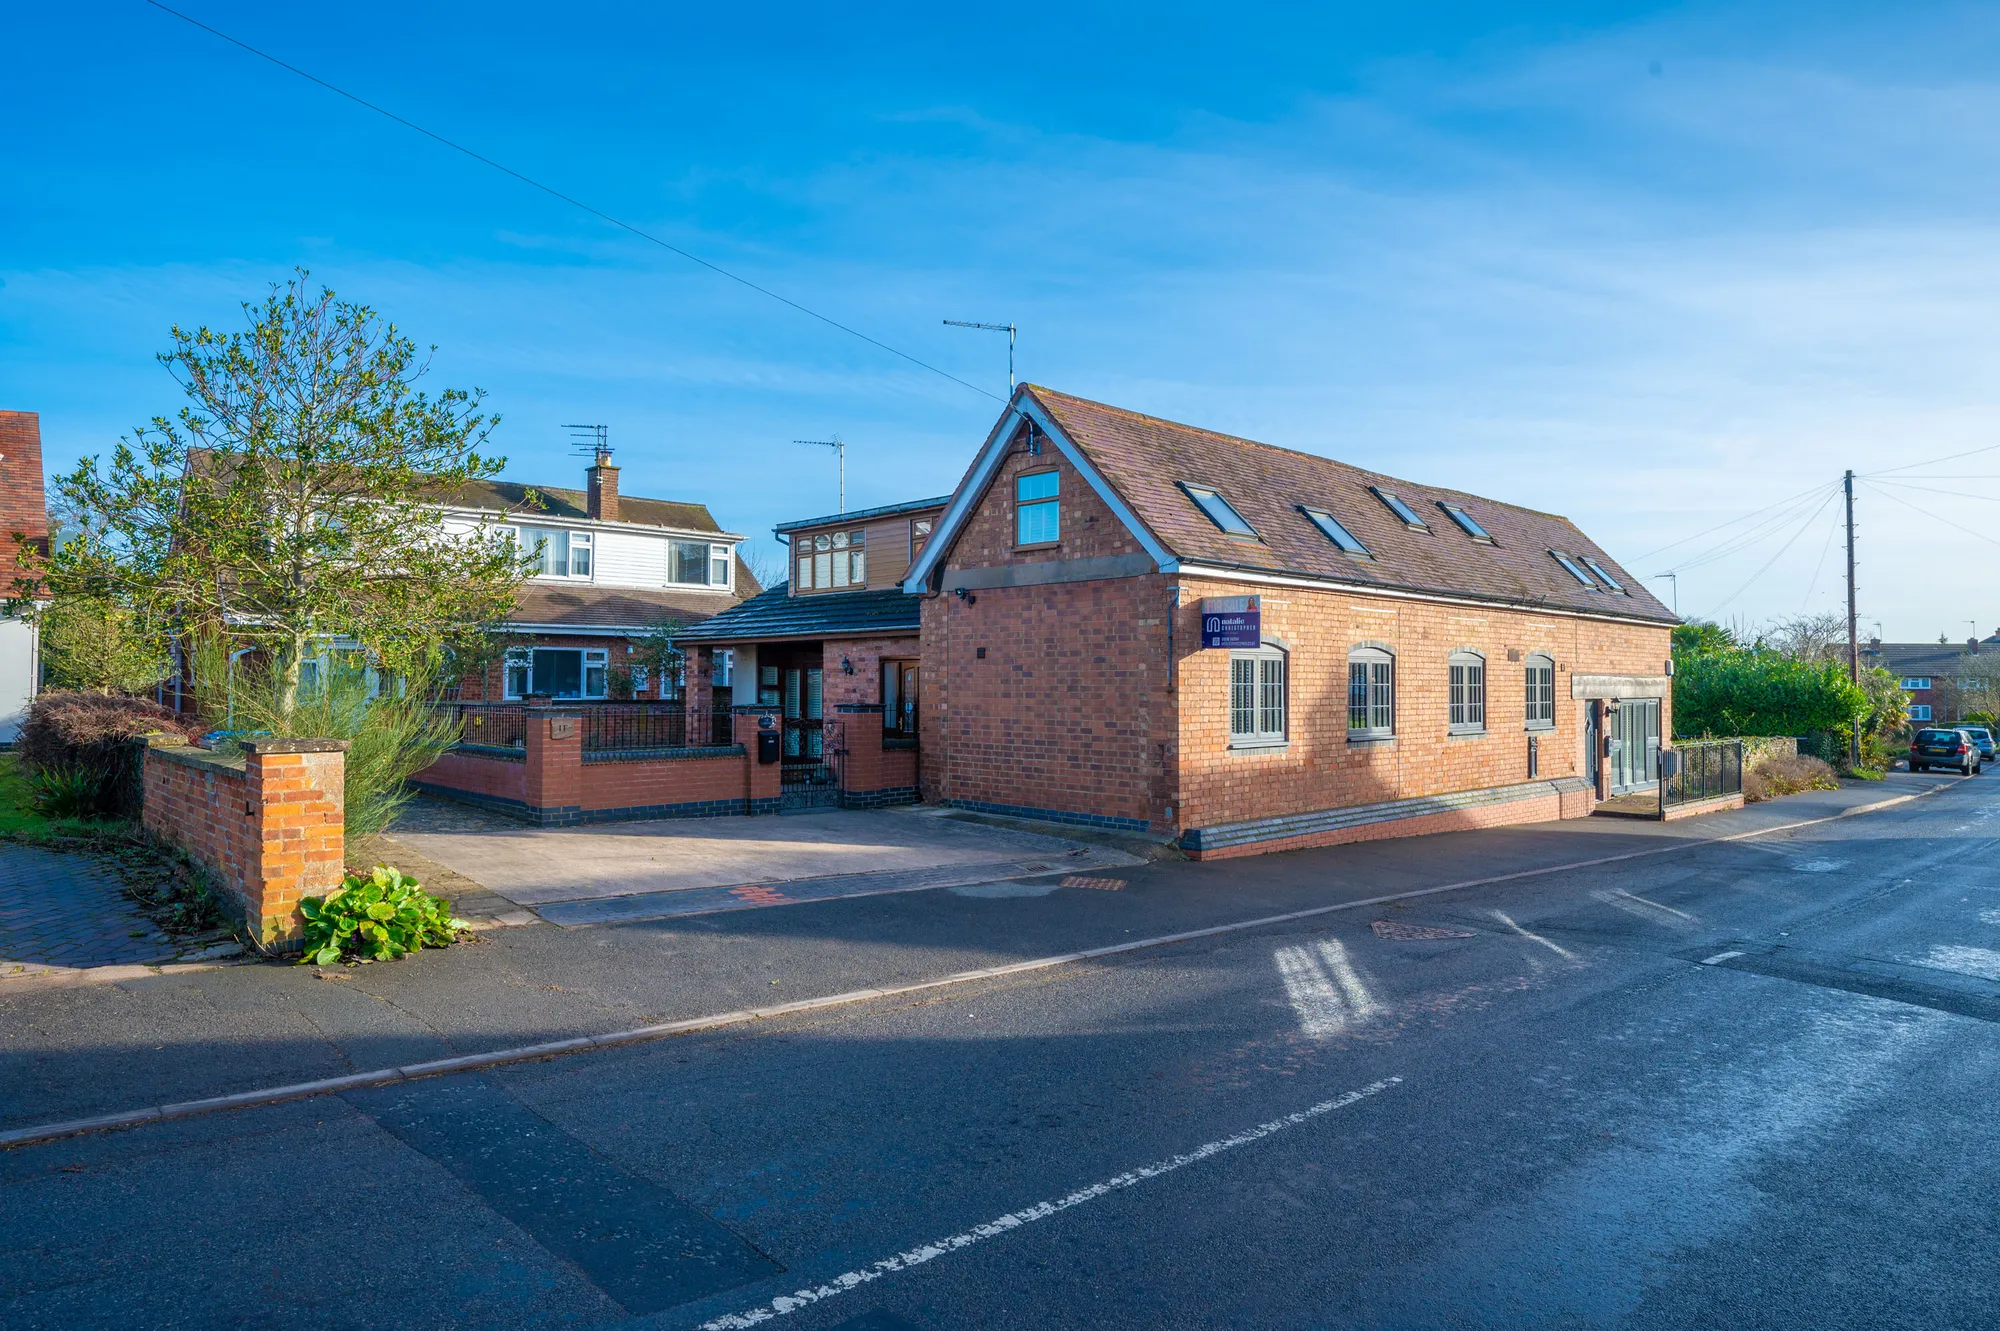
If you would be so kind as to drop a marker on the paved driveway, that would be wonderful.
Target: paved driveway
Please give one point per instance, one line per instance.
(685, 866)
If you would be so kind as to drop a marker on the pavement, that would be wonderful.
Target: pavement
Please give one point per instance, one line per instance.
(61, 913)
(1739, 1082)
(683, 866)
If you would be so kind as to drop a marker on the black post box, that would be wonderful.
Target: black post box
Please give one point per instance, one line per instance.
(767, 746)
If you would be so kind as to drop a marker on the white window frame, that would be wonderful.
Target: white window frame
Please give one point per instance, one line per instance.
(1465, 674)
(573, 541)
(1920, 711)
(1540, 696)
(721, 565)
(523, 660)
(1258, 701)
(1916, 681)
(1379, 693)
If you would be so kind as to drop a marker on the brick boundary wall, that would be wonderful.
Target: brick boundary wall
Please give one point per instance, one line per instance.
(269, 824)
(873, 775)
(552, 782)
(1531, 802)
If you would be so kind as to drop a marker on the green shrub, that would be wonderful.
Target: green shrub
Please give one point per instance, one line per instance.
(382, 917)
(1762, 693)
(1787, 776)
(67, 792)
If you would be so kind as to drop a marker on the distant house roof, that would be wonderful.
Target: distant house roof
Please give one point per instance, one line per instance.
(558, 502)
(860, 514)
(1914, 658)
(778, 614)
(1155, 474)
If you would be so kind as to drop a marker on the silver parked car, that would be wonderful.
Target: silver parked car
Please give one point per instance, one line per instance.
(1983, 737)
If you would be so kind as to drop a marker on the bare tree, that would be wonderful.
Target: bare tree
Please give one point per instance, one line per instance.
(1814, 639)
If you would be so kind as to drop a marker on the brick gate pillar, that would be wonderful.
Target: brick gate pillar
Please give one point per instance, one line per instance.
(554, 737)
(761, 780)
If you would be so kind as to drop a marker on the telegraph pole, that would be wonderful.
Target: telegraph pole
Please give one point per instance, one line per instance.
(1853, 636)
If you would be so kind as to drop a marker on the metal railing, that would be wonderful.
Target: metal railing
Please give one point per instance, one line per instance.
(634, 725)
(498, 724)
(1709, 769)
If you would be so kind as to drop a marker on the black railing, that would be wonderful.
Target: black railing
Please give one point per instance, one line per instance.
(1708, 769)
(634, 725)
(721, 726)
(498, 724)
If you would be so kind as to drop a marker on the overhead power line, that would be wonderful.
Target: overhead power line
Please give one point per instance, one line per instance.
(1731, 523)
(1789, 542)
(1776, 522)
(1912, 466)
(1927, 513)
(554, 193)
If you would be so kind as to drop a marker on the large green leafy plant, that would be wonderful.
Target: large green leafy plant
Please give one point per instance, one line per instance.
(382, 917)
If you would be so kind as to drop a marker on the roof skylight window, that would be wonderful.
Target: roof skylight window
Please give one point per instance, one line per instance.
(1404, 513)
(1466, 522)
(1330, 528)
(1604, 577)
(1219, 512)
(1574, 571)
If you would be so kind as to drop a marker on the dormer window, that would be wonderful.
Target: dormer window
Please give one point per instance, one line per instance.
(1466, 522)
(1218, 510)
(1404, 513)
(831, 560)
(700, 564)
(1329, 527)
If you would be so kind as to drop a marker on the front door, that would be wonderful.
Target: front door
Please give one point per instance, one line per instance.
(1635, 745)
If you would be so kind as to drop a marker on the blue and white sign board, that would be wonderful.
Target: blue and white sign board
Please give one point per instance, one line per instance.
(1231, 621)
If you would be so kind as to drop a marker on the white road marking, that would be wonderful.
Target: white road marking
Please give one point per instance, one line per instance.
(1989, 917)
(1983, 962)
(1818, 866)
(1651, 911)
(1559, 950)
(1013, 1220)
(1719, 958)
(1323, 987)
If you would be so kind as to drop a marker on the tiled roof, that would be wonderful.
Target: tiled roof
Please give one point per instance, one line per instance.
(611, 607)
(861, 514)
(778, 614)
(557, 502)
(1142, 458)
(1913, 658)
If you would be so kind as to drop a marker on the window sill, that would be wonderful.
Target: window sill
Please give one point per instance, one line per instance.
(1040, 545)
(1466, 732)
(1541, 728)
(1364, 741)
(1259, 745)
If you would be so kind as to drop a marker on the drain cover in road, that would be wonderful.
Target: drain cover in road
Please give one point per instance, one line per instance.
(1412, 932)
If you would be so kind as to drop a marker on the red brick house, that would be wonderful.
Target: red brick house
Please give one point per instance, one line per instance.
(1401, 658)
(1928, 670)
(833, 651)
(23, 510)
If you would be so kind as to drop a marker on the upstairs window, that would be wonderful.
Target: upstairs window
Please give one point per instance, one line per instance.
(719, 566)
(1468, 693)
(1257, 702)
(1404, 513)
(557, 553)
(1371, 694)
(832, 560)
(1037, 508)
(1541, 708)
(1916, 681)
(1218, 510)
(1329, 527)
(1570, 565)
(1466, 522)
(699, 564)
(1604, 577)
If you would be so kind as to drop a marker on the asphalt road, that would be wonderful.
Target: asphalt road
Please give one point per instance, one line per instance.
(1747, 1084)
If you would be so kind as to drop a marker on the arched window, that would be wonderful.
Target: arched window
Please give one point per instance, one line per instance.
(1371, 693)
(1257, 697)
(1468, 692)
(1541, 683)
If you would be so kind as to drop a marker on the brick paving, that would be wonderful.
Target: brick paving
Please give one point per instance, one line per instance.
(64, 912)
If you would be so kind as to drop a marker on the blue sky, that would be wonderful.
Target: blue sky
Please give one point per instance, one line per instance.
(1649, 267)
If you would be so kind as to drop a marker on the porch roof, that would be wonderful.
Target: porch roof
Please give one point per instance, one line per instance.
(778, 614)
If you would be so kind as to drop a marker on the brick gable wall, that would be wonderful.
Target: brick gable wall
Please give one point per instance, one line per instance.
(23, 505)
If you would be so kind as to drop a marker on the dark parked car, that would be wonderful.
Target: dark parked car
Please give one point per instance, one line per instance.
(1983, 737)
(1936, 747)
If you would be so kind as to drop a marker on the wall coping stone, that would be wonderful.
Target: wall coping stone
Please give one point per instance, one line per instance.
(298, 745)
(858, 708)
(692, 751)
(187, 755)
(506, 753)
(750, 709)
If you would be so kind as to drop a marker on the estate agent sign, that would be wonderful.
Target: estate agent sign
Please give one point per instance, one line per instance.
(1231, 621)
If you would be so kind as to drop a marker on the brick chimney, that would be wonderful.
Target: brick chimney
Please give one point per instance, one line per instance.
(22, 505)
(603, 505)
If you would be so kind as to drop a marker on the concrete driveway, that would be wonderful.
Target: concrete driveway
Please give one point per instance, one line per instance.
(686, 866)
